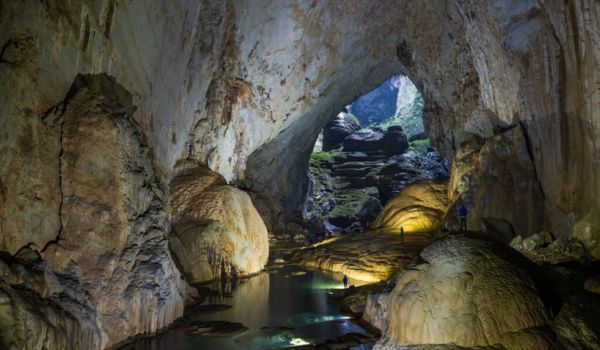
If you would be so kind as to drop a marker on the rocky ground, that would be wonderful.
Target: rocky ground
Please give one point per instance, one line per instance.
(372, 256)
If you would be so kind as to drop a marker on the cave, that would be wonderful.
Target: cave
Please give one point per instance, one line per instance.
(159, 184)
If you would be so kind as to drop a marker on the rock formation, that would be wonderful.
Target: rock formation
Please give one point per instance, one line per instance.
(468, 294)
(588, 231)
(217, 232)
(418, 207)
(334, 133)
(110, 254)
(511, 100)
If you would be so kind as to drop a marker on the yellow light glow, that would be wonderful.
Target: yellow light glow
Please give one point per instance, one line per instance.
(298, 342)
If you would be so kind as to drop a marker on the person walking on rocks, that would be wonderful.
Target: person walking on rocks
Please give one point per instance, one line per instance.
(462, 216)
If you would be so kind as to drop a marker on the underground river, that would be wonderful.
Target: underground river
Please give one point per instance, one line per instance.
(284, 307)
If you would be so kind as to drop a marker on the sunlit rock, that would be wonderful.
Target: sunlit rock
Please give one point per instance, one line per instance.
(418, 207)
(334, 133)
(217, 232)
(371, 256)
(391, 142)
(467, 294)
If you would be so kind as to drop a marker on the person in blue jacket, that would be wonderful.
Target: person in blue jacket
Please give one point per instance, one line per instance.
(462, 216)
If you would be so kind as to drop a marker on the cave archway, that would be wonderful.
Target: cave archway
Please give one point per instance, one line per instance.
(366, 155)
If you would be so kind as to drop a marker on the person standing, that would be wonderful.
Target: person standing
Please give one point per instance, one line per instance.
(462, 216)
(345, 280)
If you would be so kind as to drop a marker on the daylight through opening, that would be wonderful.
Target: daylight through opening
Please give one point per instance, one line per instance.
(365, 155)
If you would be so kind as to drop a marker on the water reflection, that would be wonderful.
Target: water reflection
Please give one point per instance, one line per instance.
(281, 310)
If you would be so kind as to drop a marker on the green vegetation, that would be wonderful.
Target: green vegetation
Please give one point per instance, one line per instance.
(420, 143)
(410, 118)
(349, 202)
(319, 160)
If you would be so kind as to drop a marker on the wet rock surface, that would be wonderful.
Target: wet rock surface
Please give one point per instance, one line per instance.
(370, 256)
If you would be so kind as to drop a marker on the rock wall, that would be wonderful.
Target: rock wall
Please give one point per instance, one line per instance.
(214, 86)
(111, 247)
(487, 175)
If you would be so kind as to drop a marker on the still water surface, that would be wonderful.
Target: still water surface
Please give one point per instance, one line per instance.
(280, 309)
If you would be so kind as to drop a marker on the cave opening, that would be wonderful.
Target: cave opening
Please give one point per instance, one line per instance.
(366, 154)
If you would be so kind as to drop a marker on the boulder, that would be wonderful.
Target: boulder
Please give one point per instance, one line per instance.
(217, 231)
(588, 231)
(418, 207)
(577, 324)
(364, 140)
(468, 293)
(334, 133)
(499, 229)
(539, 249)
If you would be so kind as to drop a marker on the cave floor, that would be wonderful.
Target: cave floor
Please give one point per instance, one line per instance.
(367, 257)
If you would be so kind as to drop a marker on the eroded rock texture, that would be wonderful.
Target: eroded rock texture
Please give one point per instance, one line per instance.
(467, 294)
(419, 207)
(110, 250)
(217, 232)
(334, 133)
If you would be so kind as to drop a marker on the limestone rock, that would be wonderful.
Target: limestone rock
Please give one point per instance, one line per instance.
(38, 309)
(370, 256)
(418, 207)
(577, 324)
(217, 232)
(112, 246)
(334, 133)
(503, 166)
(215, 89)
(540, 250)
(592, 284)
(588, 231)
(468, 294)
